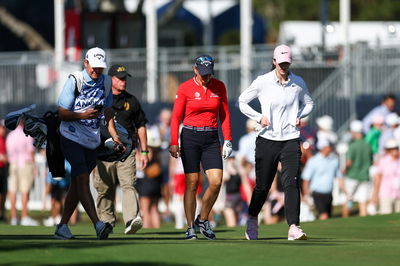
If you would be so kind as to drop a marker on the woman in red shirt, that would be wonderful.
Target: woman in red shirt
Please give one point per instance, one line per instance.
(200, 101)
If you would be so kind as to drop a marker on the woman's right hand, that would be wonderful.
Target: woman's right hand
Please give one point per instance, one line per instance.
(264, 122)
(174, 151)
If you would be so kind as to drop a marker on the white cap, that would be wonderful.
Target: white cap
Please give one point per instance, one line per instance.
(322, 143)
(96, 57)
(391, 144)
(342, 148)
(356, 126)
(325, 122)
(392, 119)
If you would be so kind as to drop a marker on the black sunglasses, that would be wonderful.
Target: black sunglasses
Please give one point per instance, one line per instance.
(201, 60)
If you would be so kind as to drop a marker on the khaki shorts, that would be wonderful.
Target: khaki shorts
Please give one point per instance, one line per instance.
(21, 178)
(387, 206)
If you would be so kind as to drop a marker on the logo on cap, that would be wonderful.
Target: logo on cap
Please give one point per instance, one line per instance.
(99, 56)
(206, 63)
(121, 69)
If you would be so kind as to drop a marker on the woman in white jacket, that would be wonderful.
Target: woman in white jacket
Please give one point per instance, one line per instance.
(284, 100)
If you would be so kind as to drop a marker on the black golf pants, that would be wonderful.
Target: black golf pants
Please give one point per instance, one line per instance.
(268, 154)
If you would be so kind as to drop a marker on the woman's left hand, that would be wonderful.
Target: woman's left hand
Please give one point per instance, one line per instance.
(298, 122)
(226, 149)
(264, 122)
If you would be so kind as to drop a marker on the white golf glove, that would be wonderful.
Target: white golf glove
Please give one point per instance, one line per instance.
(226, 149)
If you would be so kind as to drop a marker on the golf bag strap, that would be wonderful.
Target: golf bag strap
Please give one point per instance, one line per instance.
(78, 76)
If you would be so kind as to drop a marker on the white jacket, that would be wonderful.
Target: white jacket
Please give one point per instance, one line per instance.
(282, 104)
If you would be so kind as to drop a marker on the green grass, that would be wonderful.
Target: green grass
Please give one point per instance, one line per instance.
(352, 241)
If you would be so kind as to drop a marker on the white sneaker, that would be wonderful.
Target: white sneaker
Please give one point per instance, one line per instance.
(213, 224)
(190, 234)
(49, 222)
(14, 221)
(133, 226)
(28, 221)
(295, 233)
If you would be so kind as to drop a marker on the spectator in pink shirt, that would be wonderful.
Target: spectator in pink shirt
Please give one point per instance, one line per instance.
(20, 153)
(3, 171)
(387, 179)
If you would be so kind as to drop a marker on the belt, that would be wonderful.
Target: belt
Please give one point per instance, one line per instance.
(201, 128)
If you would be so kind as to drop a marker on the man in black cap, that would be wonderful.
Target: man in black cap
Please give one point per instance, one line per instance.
(129, 114)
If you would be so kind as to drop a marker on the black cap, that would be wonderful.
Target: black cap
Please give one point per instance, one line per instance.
(119, 71)
(204, 64)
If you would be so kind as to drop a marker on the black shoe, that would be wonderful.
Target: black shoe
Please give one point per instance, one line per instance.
(103, 229)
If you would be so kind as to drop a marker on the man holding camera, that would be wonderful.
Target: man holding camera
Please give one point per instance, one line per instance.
(128, 113)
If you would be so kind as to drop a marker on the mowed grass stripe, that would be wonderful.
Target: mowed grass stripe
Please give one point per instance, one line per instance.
(351, 241)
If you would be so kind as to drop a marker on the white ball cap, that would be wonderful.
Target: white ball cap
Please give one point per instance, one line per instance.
(392, 119)
(391, 144)
(96, 57)
(342, 148)
(322, 143)
(325, 122)
(356, 126)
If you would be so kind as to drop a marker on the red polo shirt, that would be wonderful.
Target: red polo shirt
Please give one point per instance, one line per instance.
(200, 106)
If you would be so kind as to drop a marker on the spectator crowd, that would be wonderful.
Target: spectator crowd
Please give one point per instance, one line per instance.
(359, 170)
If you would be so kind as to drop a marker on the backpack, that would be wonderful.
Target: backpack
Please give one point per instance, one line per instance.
(78, 76)
(106, 151)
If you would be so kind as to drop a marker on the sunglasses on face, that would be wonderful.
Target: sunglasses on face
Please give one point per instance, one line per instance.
(204, 60)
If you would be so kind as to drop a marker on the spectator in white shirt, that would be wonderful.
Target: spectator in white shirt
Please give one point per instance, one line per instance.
(388, 132)
(386, 107)
(247, 142)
